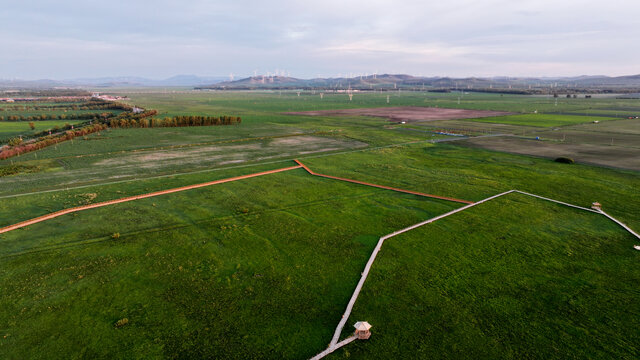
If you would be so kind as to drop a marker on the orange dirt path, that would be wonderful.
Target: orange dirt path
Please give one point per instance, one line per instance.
(382, 186)
(136, 197)
(196, 186)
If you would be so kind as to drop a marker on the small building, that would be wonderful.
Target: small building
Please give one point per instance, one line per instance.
(362, 330)
(596, 206)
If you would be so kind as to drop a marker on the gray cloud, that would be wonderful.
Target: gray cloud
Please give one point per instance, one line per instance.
(54, 39)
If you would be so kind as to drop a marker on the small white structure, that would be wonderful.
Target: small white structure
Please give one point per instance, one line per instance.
(362, 330)
(596, 206)
(637, 247)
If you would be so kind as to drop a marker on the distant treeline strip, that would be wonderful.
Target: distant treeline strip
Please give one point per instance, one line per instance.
(86, 116)
(45, 141)
(94, 104)
(142, 120)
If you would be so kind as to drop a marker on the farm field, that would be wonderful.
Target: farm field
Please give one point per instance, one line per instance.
(11, 129)
(542, 120)
(618, 156)
(264, 267)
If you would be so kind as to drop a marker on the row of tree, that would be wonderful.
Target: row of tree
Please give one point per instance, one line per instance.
(176, 121)
(85, 116)
(20, 147)
(93, 104)
(51, 94)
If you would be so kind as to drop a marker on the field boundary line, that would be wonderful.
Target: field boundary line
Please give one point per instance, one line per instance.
(381, 186)
(334, 344)
(152, 177)
(138, 197)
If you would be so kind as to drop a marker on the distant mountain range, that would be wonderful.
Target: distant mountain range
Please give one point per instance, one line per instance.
(629, 83)
(121, 81)
(390, 81)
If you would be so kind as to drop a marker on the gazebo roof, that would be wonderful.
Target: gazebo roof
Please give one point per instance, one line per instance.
(362, 326)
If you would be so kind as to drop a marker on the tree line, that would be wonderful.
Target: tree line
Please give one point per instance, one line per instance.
(98, 122)
(93, 104)
(86, 116)
(48, 93)
(176, 121)
(18, 147)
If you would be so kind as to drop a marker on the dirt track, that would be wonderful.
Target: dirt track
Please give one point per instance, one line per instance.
(195, 186)
(406, 113)
(136, 197)
(382, 186)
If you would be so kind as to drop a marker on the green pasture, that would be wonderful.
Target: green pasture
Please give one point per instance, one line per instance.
(208, 278)
(542, 120)
(269, 103)
(11, 129)
(513, 278)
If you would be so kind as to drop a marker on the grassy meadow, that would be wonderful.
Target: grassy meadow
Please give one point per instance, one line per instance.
(510, 279)
(11, 129)
(263, 268)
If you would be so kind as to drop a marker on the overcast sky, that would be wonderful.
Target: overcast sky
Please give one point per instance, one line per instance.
(160, 38)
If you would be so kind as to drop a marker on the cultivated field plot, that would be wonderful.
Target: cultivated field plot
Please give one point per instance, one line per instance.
(614, 156)
(11, 129)
(92, 160)
(543, 120)
(407, 113)
(614, 143)
(626, 126)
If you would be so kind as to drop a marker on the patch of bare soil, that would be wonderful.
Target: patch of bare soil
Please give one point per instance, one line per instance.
(406, 113)
(611, 156)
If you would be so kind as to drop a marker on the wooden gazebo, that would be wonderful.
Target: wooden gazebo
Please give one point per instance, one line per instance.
(362, 330)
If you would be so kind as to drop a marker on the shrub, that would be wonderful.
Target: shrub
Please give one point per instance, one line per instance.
(121, 322)
(115, 235)
(15, 141)
(564, 160)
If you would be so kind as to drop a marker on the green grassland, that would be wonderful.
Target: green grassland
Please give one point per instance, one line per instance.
(10, 129)
(212, 278)
(269, 103)
(542, 120)
(264, 267)
(510, 279)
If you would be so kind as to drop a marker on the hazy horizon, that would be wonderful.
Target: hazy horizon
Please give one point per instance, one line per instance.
(462, 38)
